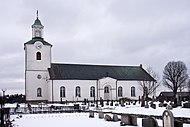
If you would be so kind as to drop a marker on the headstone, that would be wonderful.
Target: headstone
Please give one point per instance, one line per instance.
(142, 101)
(101, 102)
(101, 115)
(146, 105)
(133, 120)
(179, 103)
(178, 123)
(186, 105)
(168, 119)
(125, 120)
(115, 118)
(108, 117)
(149, 122)
(152, 105)
(76, 106)
(160, 104)
(169, 107)
(85, 101)
(91, 114)
(107, 103)
(111, 104)
(122, 103)
(116, 104)
(139, 99)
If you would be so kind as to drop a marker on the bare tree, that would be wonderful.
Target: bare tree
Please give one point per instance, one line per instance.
(188, 85)
(175, 76)
(149, 87)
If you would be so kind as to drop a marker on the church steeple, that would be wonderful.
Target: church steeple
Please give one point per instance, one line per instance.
(37, 28)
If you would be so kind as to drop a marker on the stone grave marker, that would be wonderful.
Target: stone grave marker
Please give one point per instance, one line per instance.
(125, 120)
(133, 120)
(168, 119)
(149, 122)
(91, 114)
(101, 115)
(115, 118)
(108, 117)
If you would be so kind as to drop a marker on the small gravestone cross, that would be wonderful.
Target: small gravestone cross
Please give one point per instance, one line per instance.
(168, 119)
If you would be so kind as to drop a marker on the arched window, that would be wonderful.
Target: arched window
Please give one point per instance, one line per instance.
(62, 91)
(92, 91)
(120, 91)
(39, 92)
(38, 56)
(106, 89)
(77, 91)
(132, 91)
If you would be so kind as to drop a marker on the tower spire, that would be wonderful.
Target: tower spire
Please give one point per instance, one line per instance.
(37, 14)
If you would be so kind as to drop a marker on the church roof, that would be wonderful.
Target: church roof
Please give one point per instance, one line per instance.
(37, 22)
(95, 72)
(37, 39)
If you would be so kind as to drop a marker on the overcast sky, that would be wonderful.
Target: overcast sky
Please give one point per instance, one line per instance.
(118, 32)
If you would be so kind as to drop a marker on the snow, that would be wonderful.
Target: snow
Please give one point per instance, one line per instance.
(83, 120)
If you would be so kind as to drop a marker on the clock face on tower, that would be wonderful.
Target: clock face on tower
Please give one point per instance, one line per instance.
(38, 45)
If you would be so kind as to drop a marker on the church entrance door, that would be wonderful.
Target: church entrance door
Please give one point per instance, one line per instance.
(107, 92)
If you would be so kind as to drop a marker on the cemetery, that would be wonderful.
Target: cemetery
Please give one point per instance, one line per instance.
(152, 114)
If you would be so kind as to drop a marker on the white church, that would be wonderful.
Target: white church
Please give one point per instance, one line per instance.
(55, 82)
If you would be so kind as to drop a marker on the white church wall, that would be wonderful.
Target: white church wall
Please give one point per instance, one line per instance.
(126, 85)
(70, 86)
(33, 83)
(111, 83)
(32, 63)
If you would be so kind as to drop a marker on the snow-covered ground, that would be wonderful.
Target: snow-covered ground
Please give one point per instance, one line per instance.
(83, 120)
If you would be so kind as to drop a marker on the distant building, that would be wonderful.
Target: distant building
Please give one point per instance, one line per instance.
(169, 96)
(56, 82)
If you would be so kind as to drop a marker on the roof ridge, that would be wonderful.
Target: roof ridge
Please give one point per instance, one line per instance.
(86, 64)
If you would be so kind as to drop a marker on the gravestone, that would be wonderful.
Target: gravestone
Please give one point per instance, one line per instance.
(139, 99)
(116, 104)
(169, 107)
(101, 115)
(168, 119)
(122, 103)
(186, 105)
(85, 101)
(125, 120)
(133, 120)
(108, 117)
(91, 114)
(178, 123)
(115, 118)
(146, 105)
(160, 104)
(142, 101)
(152, 105)
(101, 102)
(149, 122)
(107, 102)
(111, 104)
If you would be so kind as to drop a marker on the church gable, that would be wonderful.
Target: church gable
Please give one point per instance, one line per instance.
(96, 72)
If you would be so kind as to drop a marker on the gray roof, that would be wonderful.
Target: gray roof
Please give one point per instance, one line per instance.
(37, 39)
(95, 72)
(37, 22)
(171, 94)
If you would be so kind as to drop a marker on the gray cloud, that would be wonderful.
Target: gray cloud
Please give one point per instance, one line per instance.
(124, 32)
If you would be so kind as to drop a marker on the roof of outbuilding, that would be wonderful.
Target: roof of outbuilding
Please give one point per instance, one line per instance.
(95, 72)
(37, 39)
(171, 94)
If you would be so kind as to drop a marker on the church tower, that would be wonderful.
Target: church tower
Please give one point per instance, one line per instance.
(37, 62)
